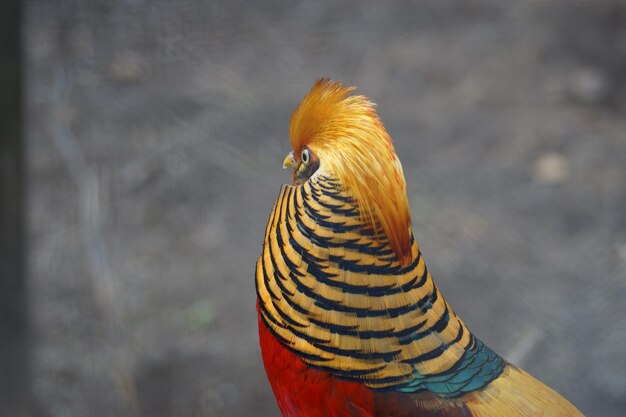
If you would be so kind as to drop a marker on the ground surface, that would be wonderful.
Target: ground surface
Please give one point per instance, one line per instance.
(156, 130)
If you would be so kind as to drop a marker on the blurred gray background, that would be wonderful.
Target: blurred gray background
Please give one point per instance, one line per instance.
(156, 131)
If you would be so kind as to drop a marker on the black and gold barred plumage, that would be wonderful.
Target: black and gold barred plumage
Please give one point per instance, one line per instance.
(332, 290)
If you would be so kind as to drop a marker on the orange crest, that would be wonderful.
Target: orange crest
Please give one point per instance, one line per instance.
(349, 139)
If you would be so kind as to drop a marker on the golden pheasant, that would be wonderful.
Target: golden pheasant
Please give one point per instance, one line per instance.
(350, 320)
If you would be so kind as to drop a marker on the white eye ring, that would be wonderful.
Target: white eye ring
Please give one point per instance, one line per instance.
(305, 156)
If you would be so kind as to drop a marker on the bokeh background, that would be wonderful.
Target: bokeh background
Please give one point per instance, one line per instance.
(155, 133)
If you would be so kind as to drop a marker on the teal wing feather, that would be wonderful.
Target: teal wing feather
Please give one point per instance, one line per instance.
(478, 366)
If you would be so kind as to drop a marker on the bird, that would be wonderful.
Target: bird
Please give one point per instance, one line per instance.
(350, 321)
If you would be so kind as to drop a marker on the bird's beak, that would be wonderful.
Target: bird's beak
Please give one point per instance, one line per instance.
(289, 161)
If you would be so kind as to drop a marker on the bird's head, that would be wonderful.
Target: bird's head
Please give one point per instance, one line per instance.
(337, 133)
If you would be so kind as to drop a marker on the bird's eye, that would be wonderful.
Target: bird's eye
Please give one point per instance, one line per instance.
(306, 156)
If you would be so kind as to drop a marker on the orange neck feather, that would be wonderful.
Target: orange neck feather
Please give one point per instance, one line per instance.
(352, 144)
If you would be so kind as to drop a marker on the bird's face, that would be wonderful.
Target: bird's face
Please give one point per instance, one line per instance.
(337, 134)
(303, 165)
